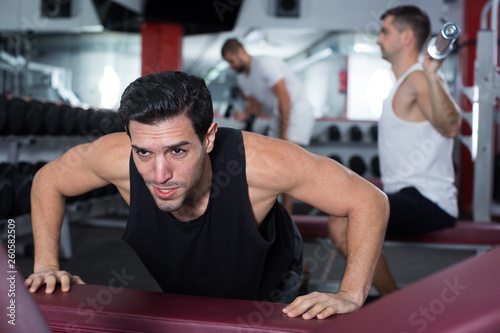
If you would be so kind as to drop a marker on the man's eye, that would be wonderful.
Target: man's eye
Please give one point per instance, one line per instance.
(142, 152)
(177, 151)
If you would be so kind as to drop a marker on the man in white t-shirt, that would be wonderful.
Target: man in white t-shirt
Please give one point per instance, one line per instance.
(268, 82)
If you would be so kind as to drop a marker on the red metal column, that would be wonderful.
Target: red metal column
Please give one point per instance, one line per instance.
(161, 47)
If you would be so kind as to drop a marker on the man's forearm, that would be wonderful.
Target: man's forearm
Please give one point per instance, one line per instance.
(365, 238)
(284, 111)
(445, 111)
(47, 212)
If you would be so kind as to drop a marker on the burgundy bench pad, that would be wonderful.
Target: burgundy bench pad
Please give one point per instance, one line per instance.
(462, 298)
(104, 309)
(464, 232)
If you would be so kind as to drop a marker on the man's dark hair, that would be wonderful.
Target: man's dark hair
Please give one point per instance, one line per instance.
(414, 18)
(231, 46)
(165, 95)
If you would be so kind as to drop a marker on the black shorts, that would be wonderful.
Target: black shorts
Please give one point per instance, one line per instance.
(412, 214)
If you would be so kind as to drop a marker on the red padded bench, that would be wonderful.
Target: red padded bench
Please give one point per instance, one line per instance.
(464, 232)
(93, 308)
(462, 298)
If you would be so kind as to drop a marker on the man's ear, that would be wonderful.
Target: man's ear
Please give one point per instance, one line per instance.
(241, 52)
(408, 36)
(210, 137)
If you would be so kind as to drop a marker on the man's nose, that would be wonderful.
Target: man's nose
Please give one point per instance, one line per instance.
(163, 170)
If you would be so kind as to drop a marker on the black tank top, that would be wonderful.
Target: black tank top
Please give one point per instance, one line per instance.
(222, 253)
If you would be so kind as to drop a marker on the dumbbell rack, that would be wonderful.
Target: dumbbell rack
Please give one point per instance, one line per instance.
(23, 227)
(345, 140)
(35, 130)
(22, 222)
(83, 210)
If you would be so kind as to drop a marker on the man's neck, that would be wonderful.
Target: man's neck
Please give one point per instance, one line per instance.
(404, 63)
(248, 65)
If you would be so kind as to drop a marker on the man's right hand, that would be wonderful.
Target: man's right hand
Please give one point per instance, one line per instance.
(51, 276)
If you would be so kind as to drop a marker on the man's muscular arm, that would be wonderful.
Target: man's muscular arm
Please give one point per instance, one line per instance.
(81, 169)
(274, 167)
(435, 101)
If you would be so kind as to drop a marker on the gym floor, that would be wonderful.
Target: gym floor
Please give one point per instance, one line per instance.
(100, 252)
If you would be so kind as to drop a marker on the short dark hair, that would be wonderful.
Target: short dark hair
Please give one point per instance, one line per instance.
(414, 18)
(165, 95)
(231, 46)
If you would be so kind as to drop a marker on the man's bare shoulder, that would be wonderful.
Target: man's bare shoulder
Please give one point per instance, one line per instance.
(115, 146)
(257, 145)
(108, 156)
(118, 140)
(271, 161)
(416, 83)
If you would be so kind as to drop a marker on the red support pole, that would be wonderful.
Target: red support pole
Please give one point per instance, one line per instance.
(161, 47)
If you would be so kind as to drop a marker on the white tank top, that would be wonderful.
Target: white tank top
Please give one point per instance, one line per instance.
(416, 154)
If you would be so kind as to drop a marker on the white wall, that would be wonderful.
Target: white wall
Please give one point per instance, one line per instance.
(25, 16)
(342, 15)
(321, 85)
(87, 55)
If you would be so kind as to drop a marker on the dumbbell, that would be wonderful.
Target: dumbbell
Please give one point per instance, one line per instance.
(68, 120)
(22, 193)
(7, 173)
(39, 165)
(3, 113)
(249, 123)
(26, 168)
(6, 198)
(334, 133)
(7, 170)
(110, 122)
(82, 117)
(441, 46)
(228, 111)
(119, 127)
(375, 164)
(52, 118)
(94, 121)
(355, 133)
(357, 165)
(16, 114)
(21, 185)
(34, 118)
(374, 133)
